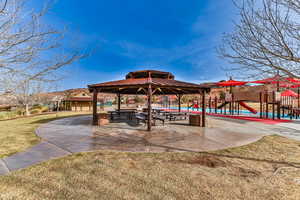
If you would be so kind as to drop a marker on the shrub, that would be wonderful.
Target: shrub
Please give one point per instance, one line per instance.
(37, 106)
(35, 111)
(20, 111)
(3, 115)
(44, 109)
(8, 115)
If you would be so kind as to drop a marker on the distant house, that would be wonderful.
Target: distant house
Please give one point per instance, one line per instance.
(81, 100)
(77, 100)
(7, 101)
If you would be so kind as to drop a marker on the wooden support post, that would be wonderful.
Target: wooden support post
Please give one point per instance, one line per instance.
(119, 102)
(203, 109)
(95, 117)
(221, 107)
(235, 107)
(278, 110)
(209, 104)
(149, 108)
(260, 105)
(298, 97)
(179, 103)
(188, 106)
(267, 105)
(232, 104)
(273, 105)
(291, 107)
(216, 104)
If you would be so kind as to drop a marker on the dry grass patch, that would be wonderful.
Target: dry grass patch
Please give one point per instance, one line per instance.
(248, 172)
(18, 134)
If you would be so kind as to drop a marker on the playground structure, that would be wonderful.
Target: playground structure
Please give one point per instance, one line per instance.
(272, 99)
(272, 102)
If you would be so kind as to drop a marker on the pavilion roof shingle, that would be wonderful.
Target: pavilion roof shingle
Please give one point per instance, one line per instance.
(146, 81)
(163, 84)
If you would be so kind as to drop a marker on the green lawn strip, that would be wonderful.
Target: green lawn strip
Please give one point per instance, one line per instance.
(19, 134)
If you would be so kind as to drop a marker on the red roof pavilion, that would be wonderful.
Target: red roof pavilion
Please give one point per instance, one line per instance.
(148, 82)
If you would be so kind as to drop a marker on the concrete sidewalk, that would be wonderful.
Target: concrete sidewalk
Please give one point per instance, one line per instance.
(71, 135)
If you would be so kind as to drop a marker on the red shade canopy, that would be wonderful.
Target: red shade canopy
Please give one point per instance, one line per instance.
(286, 85)
(289, 93)
(231, 83)
(277, 79)
(293, 80)
(295, 86)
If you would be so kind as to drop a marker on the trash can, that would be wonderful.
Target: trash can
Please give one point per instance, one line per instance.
(195, 120)
(103, 119)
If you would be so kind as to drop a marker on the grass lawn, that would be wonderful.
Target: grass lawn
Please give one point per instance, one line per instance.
(267, 169)
(18, 134)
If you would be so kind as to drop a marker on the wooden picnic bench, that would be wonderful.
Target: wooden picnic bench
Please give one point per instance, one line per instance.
(129, 113)
(173, 116)
(144, 118)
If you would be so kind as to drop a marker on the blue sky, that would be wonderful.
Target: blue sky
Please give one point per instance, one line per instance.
(127, 35)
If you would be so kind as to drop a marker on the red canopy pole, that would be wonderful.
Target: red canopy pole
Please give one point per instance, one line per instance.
(298, 97)
(278, 109)
(267, 105)
(273, 106)
(230, 103)
(277, 82)
(203, 109)
(149, 107)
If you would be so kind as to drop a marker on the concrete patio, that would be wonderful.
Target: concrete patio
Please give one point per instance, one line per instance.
(71, 135)
(175, 136)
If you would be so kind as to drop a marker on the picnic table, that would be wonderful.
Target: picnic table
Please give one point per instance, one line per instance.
(173, 116)
(128, 113)
(144, 118)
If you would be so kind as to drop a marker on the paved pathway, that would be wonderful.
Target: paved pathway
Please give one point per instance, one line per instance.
(59, 138)
(290, 130)
(70, 135)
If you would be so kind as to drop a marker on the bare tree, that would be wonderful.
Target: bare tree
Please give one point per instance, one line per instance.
(292, 4)
(31, 52)
(266, 39)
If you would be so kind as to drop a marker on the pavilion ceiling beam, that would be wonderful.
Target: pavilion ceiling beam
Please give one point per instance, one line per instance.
(156, 89)
(173, 91)
(142, 89)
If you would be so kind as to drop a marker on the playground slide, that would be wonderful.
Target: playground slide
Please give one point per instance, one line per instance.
(222, 105)
(248, 107)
